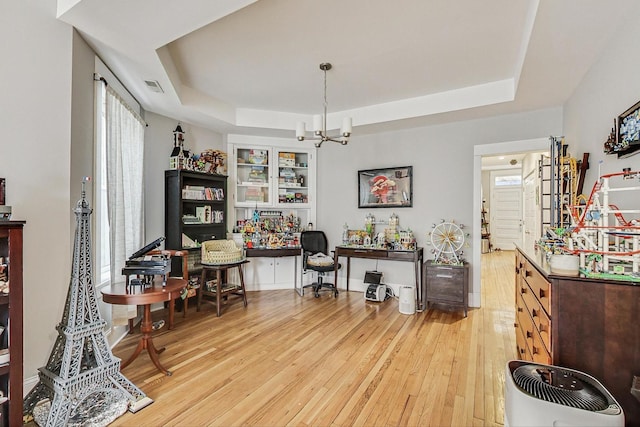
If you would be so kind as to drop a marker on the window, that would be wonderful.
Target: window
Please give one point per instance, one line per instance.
(118, 214)
(508, 181)
(101, 220)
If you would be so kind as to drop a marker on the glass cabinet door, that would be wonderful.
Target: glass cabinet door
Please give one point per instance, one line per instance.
(293, 177)
(253, 176)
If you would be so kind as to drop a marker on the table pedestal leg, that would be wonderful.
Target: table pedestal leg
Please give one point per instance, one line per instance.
(146, 342)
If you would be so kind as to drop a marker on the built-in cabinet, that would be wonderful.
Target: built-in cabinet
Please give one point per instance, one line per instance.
(581, 323)
(265, 273)
(11, 322)
(272, 174)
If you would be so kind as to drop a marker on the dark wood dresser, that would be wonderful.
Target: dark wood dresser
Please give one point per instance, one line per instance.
(586, 324)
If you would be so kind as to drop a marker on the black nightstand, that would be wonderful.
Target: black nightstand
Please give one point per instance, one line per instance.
(447, 284)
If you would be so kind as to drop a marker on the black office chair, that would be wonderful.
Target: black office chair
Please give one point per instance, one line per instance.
(314, 243)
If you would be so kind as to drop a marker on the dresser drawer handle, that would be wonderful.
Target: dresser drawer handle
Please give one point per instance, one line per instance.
(534, 313)
(534, 350)
(527, 273)
(523, 290)
(542, 293)
(445, 276)
(529, 334)
(520, 310)
(522, 351)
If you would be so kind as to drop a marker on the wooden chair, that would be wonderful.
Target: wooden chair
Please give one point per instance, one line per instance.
(185, 270)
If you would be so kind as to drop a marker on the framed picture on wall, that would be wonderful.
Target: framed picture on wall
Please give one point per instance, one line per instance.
(385, 188)
(628, 138)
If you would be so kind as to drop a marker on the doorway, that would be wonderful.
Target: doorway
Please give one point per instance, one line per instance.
(480, 151)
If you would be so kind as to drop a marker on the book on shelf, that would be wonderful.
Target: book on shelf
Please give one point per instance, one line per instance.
(258, 157)
(254, 194)
(187, 242)
(257, 174)
(214, 193)
(203, 213)
(194, 192)
(190, 219)
(286, 159)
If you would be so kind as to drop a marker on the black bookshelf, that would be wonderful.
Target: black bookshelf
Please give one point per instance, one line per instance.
(181, 213)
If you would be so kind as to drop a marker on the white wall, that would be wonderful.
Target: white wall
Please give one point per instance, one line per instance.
(608, 89)
(36, 88)
(443, 164)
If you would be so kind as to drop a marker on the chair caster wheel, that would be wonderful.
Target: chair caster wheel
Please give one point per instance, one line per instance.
(317, 295)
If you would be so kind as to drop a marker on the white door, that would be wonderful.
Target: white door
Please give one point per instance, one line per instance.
(506, 209)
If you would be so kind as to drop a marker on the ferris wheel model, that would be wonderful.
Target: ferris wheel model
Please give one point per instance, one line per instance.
(447, 239)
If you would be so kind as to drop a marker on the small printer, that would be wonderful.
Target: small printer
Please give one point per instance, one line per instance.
(375, 291)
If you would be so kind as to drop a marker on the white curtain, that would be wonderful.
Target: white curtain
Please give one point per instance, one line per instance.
(125, 151)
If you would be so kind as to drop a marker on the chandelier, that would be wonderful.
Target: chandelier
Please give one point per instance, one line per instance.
(320, 122)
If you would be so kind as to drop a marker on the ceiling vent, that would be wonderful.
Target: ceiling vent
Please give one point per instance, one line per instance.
(154, 86)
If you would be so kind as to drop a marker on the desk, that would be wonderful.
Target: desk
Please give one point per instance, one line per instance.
(416, 257)
(222, 289)
(145, 296)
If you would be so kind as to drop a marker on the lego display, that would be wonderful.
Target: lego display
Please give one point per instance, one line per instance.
(447, 239)
(606, 242)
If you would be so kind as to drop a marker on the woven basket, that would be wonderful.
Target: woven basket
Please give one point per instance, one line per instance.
(220, 252)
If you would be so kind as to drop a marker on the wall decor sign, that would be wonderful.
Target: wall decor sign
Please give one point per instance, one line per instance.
(385, 188)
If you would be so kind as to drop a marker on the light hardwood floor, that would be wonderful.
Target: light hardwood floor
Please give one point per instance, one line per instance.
(302, 361)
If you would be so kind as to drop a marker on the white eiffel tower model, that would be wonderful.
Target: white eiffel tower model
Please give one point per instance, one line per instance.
(81, 383)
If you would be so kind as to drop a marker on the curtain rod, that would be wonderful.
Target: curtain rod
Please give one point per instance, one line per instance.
(98, 78)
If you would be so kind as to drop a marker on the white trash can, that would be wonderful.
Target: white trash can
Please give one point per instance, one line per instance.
(407, 300)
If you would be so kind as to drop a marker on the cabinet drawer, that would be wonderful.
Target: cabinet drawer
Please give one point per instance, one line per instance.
(445, 272)
(539, 318)
(521, 345)
(539, 285)
(441, 287)
(538, 351)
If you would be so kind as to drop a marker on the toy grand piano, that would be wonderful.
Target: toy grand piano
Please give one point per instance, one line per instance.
(147, 266)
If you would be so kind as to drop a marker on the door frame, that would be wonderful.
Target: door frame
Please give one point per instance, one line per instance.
(510, 147)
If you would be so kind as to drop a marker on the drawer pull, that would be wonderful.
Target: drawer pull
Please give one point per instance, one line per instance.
(534, 350)
(534, 313)
(445, 276)
(523, 290)
(522, 351)
(542, 293)
(529, 334)
(527, 273)
(520, 310)
(517, 270)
